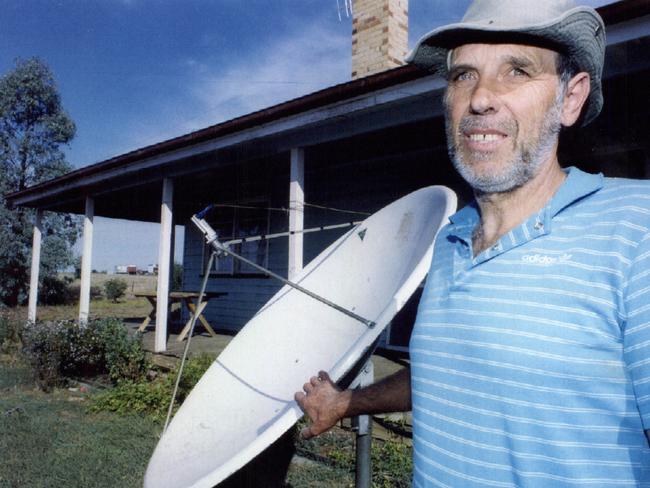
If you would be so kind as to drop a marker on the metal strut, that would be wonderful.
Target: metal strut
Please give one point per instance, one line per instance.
(211, 239)
(264, 237)
(195, 315)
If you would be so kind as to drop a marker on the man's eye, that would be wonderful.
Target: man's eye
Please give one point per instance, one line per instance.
(463, 76)
(518, 72)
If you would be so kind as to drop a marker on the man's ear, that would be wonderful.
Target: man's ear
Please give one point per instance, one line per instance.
(576, 95)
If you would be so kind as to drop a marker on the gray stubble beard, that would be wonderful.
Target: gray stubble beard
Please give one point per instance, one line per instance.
(527, 161)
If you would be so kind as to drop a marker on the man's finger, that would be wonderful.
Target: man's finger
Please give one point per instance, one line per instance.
(306, 433)
(299, 397)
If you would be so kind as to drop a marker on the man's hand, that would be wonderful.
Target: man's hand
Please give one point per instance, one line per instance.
(323, 402)
(326, 404)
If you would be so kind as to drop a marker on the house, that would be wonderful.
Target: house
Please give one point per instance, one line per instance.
(355, 146)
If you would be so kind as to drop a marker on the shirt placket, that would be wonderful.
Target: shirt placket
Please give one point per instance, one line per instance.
(533, 228)
(462, 259)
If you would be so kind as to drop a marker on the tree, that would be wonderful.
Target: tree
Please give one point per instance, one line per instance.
(115, 289)
(33, 127)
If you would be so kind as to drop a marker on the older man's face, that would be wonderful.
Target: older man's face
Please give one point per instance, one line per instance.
(503, 108)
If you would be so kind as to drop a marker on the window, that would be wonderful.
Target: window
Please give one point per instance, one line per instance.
(250, 219)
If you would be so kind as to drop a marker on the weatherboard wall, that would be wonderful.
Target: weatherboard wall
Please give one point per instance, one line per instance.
(263, 184)
(360, 174)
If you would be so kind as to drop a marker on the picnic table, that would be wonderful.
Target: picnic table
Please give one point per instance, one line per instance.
(185, 298)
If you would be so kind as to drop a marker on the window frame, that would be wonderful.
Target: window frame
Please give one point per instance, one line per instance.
(236, 268)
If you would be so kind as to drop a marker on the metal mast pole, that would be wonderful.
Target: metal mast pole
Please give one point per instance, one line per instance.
(362, 425)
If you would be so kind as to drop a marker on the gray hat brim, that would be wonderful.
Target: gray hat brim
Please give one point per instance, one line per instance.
(579, 33)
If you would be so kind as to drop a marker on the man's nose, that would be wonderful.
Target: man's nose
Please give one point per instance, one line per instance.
(485, 98)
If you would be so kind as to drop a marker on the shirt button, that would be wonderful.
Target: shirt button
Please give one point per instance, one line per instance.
(539, 225)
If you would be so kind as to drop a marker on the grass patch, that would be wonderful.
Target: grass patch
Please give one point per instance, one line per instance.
(326, 461)
(314, 475)
(392, 463)
(52, 440)
(49, 440)
(334, 448)
(128, 307)
(333, 461)
(13, 374)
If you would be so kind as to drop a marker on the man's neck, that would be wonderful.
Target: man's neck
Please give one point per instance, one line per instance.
(502, 212)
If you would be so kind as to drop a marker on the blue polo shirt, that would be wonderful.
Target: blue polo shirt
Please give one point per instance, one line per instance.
(530, 362)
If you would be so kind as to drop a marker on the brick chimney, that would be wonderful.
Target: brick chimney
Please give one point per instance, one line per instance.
(379, 36)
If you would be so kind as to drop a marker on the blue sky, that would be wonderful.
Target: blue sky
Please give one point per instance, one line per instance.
(136, 72)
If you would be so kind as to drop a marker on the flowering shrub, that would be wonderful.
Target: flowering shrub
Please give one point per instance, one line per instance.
(124, 356)
(43, 345)
(58, 350)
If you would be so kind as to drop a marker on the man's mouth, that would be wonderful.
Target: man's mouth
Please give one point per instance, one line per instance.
(479, 135)
(484, 140)
(485, 137)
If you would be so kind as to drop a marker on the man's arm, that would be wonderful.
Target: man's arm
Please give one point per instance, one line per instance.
(326, 404)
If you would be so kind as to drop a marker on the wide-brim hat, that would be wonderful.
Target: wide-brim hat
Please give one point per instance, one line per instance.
(578, 32)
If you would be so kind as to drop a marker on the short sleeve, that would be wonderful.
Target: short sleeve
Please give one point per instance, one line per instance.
(636, 341)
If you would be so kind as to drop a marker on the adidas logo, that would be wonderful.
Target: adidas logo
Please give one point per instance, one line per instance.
(544, 260)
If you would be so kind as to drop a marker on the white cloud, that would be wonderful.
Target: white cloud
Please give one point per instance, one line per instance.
(296, 63)
(299, 62)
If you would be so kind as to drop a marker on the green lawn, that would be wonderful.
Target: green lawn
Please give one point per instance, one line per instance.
(51, 440)
(48, 440)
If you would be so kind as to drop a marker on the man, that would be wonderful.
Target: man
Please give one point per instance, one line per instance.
(529, 357)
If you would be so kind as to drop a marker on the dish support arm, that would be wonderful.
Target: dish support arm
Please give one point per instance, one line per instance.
(221, 250)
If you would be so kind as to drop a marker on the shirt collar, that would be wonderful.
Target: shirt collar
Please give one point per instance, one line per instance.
(464, 221)
(577, 185)
(468, 215)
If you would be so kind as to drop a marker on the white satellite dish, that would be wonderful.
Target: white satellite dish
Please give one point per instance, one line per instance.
(244, 402)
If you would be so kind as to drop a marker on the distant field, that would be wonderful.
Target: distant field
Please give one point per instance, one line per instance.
(128, 307)
(137, 283)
